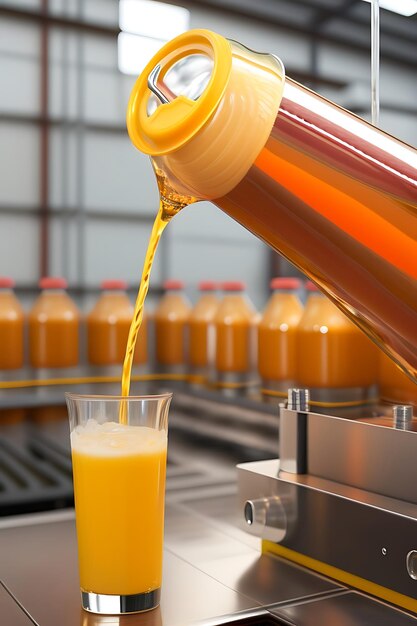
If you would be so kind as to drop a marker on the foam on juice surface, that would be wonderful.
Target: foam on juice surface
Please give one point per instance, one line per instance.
(115, 439)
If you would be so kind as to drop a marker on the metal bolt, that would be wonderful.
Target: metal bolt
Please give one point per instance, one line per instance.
(384, 552)
(403, 416)
(298, 399)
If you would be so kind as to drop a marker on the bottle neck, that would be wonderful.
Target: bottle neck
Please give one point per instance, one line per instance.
(284, 292)
(235, 296)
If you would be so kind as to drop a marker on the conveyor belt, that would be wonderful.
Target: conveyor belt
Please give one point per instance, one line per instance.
(34, 477)
(36, 474)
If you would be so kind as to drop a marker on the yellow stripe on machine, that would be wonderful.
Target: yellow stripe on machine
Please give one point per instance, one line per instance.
(341, 576)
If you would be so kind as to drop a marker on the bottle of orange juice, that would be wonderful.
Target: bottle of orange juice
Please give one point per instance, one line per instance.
(170, 321)
(201, 332)
(394, 385)
(235, 327)
(335, 360)
(11, 327)
(277, 337)
(53, 326)
(108, 326)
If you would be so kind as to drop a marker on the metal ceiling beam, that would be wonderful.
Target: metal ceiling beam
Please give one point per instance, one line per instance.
(386, 29)
(253, 11)
(55, 20)
(343, 12)
(78, 289)
(325, 15)
(245, 9)
(110, 215)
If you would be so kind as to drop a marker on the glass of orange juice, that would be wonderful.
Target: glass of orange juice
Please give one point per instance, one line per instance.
(119, 449)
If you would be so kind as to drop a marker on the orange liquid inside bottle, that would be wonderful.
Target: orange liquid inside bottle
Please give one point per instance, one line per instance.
(46, 414)
(394, 385)
(54, 327)
(332, 352)
(11, 327)
(12, 416)
(201, 330)
(108, 326)
(277, 335)
(171, 319)
(235, 324)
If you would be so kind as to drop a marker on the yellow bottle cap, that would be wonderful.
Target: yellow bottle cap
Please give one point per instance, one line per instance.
(173, 124)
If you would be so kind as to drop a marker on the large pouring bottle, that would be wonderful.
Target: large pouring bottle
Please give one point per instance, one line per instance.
(332, 193)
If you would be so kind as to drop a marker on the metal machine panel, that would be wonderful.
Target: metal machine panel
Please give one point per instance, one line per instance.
(364, 534)
(370, 455)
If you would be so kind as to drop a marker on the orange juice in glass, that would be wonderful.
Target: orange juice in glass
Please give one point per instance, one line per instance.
(119, 489)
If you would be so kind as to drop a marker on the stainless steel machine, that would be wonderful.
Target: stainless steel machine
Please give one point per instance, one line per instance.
(341, 499)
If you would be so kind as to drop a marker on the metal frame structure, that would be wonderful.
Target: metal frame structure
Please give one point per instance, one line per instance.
(43, 211)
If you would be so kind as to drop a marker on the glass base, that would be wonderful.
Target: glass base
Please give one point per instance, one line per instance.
(119, 605)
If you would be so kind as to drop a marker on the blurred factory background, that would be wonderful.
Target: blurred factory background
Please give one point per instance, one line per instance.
(76, 199)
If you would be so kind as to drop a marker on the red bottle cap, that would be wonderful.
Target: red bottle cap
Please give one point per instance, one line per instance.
(233, 285)
(113, 285)
(6, 282)
(310, 286)
(53, 282)
(285, 283)
(173, 285)
(207, 285)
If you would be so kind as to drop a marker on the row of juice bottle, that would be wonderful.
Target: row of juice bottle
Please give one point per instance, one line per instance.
(220, 340)
(315, 346)
(54, 324)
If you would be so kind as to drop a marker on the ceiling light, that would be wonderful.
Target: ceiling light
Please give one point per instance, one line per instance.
(134, 52)
(403, 7)
(153, 19)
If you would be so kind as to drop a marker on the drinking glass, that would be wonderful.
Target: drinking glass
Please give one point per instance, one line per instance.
(119, 448)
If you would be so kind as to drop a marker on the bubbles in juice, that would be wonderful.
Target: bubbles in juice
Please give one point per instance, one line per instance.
(114, 439)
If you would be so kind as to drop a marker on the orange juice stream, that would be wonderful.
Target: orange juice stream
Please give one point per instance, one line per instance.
(157, 230)
(170, 204)
(108, 325)
(108, 459)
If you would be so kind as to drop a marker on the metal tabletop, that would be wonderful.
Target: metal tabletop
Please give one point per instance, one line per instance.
(207, 570)
(213, 573)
